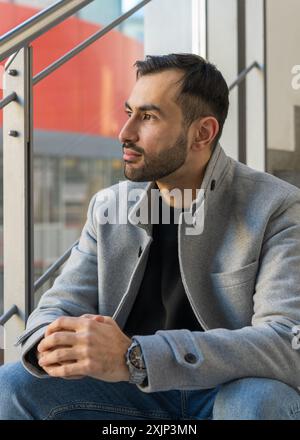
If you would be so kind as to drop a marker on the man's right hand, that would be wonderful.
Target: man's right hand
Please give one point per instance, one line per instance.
(39, 355)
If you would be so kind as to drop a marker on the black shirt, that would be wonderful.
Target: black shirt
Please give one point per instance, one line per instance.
(161, 302)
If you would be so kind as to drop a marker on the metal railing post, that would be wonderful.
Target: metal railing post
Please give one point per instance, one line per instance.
(37, 25)
(17, 196)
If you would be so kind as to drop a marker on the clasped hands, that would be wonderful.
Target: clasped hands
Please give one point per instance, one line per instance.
(89, 345)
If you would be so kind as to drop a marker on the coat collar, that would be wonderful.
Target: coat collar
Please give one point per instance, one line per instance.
(215, 169)
(211, 182)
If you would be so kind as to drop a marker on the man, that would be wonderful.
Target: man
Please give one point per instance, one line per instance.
(171, 321)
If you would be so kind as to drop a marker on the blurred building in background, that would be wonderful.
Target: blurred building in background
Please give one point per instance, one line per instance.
(78, 112)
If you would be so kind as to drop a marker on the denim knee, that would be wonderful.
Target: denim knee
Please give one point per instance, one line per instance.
(257, 399)
(14, 383)
(8, 381)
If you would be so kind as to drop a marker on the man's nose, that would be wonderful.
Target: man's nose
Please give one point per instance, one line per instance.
(128, 133)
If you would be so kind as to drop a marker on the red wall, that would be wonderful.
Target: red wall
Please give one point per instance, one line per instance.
(86, 94)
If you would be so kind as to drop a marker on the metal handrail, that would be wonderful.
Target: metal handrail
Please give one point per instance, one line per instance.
(9, 98)
(36, 19)
(7, 315)
(56, 64)
(53, 268)
(42, 280)
(37, 25)
(244, 73)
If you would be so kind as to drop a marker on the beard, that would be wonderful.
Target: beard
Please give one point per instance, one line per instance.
(157, 167)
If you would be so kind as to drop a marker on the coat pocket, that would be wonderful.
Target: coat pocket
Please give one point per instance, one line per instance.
(235, 278)
(233, 292)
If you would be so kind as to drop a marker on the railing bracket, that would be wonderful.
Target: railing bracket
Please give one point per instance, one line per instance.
(12, 72)
(13, 133)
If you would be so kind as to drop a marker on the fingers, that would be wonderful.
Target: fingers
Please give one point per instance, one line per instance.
(109, 320)
(56, 334)
(50, 369)
(98, 318)
(38, 355)
(63, 323)
(56, 340)
(67, 371)
(72, 323)
(59, 356)
(46, 369)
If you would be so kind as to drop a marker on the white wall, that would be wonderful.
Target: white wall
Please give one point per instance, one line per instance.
(255, 85)
(168, 27)
(222, 51)
(283, 36)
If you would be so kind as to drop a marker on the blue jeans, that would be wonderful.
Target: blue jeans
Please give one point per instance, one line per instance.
(23, 396)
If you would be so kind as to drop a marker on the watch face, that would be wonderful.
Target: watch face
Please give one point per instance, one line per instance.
(136, 365)
(136, 358)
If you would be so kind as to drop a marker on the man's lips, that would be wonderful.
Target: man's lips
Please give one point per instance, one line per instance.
(130, 155)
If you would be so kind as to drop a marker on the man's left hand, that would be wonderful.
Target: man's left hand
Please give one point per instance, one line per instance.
(90, 345)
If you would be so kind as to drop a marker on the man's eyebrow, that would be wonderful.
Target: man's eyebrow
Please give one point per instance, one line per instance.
(146, 107)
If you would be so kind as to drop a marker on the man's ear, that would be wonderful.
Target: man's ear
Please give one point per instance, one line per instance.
(205, 131)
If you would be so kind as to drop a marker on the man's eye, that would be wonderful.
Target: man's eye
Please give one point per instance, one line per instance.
(147, 117)
(128, 114)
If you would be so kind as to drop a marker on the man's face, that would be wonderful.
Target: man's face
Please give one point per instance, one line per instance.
(154, 138)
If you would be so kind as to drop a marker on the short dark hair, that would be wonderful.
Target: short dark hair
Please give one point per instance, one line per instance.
(204, 91)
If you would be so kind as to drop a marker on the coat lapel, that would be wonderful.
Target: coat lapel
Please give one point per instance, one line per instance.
(197, 252)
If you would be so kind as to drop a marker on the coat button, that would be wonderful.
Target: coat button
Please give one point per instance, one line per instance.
(190, 358)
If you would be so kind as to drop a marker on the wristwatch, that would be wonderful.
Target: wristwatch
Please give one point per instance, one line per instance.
(136, 364)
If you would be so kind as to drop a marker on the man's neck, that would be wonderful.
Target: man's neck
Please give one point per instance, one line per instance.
(186, 181)
(187, 190)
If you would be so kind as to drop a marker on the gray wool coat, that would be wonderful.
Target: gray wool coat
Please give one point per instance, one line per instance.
(241, 275)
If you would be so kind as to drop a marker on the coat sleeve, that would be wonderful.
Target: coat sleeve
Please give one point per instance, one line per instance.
(263, 349)
(74, 293)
